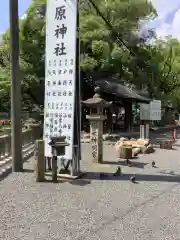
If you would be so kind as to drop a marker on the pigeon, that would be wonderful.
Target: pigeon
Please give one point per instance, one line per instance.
(133, 178)
(118, 172)
(153, 163)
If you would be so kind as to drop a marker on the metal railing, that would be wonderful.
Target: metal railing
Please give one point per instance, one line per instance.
(28, 145)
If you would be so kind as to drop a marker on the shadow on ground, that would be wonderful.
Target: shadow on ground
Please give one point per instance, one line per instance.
(134, 164)
(139, 177)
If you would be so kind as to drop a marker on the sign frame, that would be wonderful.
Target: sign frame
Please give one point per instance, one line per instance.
(60, 73)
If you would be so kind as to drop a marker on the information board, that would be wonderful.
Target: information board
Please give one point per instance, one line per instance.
(61, 29)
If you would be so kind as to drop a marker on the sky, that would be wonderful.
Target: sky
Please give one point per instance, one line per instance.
(167, 22)
(4, 12)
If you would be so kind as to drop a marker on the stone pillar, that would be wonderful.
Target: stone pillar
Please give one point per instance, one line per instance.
(96, 133)
(97, 141)
(40, 162)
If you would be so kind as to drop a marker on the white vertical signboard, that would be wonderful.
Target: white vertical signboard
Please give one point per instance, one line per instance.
(155, 110)
(60, 73)
(144, 111)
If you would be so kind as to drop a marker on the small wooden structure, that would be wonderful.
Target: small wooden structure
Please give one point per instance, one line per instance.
(166, 144)
(125, 152)
(122, 98)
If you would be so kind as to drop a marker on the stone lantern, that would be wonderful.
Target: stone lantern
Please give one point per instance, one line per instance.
(96, 118)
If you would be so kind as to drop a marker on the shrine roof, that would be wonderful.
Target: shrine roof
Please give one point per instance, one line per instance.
(121, 91)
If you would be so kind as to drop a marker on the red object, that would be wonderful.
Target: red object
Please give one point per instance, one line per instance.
(174, 133)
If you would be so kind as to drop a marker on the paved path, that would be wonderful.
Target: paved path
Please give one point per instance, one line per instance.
(93, 209)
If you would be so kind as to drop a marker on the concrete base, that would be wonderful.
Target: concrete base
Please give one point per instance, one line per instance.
(66, 176)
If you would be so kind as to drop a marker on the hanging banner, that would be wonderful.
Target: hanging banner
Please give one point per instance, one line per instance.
(59, 105)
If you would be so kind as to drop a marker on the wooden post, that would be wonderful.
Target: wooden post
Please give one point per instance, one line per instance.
(40, 163)
(54, 168)
(16, 139)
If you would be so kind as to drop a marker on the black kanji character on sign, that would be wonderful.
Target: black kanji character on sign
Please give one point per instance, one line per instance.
(54, 94)
(60, 13)
(68, 138)
(64, 82)
(48, 83)
(49, 73)
(64, 93)
(69, 126)
(49, 63)
(64, 126)
(54, 63)
(70, 71)
(60, 63)
(70, 93)
(54, 72)
(59, 94)
(48, 93)
(59, 72)
(69, 115)
(59, 82)
(60, 31)
(72, 61)
(70, 82)
(60, 50)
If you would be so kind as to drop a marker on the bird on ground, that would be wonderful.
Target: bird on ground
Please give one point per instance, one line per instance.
(153, 163)
(133, 178)
(118, 172)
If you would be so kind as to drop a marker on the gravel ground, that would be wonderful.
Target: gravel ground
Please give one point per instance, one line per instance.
(90, 208)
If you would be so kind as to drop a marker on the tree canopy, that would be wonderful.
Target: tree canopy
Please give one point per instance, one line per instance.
(152, 67)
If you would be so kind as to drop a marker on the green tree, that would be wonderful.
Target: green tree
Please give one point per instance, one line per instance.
(163, 63)
(99, 49)
(100, 52)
